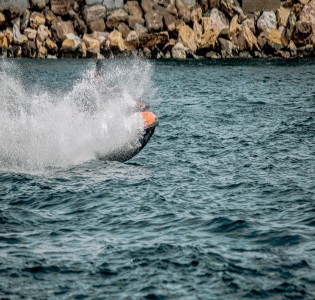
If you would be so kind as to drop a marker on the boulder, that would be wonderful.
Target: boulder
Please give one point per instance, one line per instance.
(94, 13)
(230, 8)
(228, 49)
(37, 19)
(116, 41)
(2, 19)
(183, 11)
(250, 23)
(246, 39)
(216, 22)
(213, 55)
(50, 16)
(308, 16)
(283, 16)
(267, 22)
(30, 34)
(124, 29)
(3, 41)
(154, 20)
(132, 41)
(262, 39)
(38, 4)
(148, 5)
(171, 9)
(140, 29)
(98, 25)
(274, 40)
(70, 43)
(187, 37)
(169, 21)
(100, 36)
(113, 4)
(18, 38)
(208, 39)
(234, 26)
(29, 49)
(42, 33)
(179, 51)
(196, 14)
(17, 22)
(290, 27)
(25, 19)
(92, 46)
(135, 13)
(61, 7)
(60, 28)
(51, 46)
(292, 48)
(42, 52)
(79, 24)
(198, 32)
(151, 40)
(115, 18)
(303, 33)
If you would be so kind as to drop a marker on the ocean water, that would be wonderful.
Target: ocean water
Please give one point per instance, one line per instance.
(219, 205)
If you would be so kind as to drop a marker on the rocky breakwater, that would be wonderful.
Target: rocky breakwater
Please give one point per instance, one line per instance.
(155, 29)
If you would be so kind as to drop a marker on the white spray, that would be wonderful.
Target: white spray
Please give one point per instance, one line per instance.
(40, 129)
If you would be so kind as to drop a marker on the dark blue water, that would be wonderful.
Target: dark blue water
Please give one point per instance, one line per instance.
(219, 205)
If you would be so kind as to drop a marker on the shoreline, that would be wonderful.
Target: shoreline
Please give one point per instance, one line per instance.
(151, 29)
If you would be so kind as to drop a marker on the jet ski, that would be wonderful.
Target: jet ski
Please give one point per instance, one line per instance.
(150, 122)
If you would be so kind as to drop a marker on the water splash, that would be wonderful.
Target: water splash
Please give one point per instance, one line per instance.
(40, 128)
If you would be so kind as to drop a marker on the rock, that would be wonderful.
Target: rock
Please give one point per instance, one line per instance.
(100, 36)
(49, 56)
(16, 51)
(70, 43)
(308, 16)
(60, 28)
(29, 49)
(198, 32)
(282, 31)
(116, 41)
(228, 49)
(51, 46)
(196, 14)
(148, 5)
(156, 53)
(115, 18)
(92, 46)
(267, 22)
(179, 51)
(78, 23)
(38, 4)
(140, 29)
(60, 7)
(18, 38)
(3, 41)
(11, 11)
(187, 37)
(113, 4)
(179, 24)
(42, 33)
(82, 50)
(208, 39)
(135, 14)
(42, 52)
(183, 11)
(25, 19)
(30, 34)
(292, 48)
(124, 29)
(37, 19)
(171, 9)
(50, 16)
(132, 41)
(274, 40)
(94, 13)
(246, 39)
(170, 21)
(302, 33)
(2, 19)
(234, 26)
(250, 23)
(98, 25)
(290, 26)
(9, 35)
(244, 54)
(154, 20)
(151, 40)
(283, 16)
(217, 21)
(17, 22)
(262, 39)
(304, 2)
(230, 8)
(213, 55)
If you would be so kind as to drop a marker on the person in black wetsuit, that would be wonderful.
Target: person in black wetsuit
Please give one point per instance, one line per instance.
(98, 69)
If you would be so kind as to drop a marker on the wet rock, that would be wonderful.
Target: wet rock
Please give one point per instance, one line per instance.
(308, 16)
(183, 11)
(115, 18)
(60, 28)
(228, 49)
(30, 34)
(50, 56)
(25, 19)
(283, 16)
(124, 29)
(61, 7)
(156, 53)
(267, 22)
(51, 46)
(116, 41)
(28, 49)
(179, 51)
(247, 41)
(187, 37)
(37, 19)
(213, 55)
(244, 54)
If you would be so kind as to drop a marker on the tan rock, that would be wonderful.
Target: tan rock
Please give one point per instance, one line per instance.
(151, 40)
(61, 7)
(267, 22)
(282, 16)
(246, 39)
(141, 30)
(3, 40)
(262, 39)
(171, 9)
(94, 13)
(30, 34)
(37, 19)
(234, 26)
(208, 39)
(228, 49)
(117, 41)
(292, 48)
(179, 24)
(217, 22)
(98, 25)
(213, 55)
(230, 8)
(198, 32)
(183, 11)
(92, 45)
(132, 41)
(60, 28)
(82, 49)
(38, 4)
(250, 23)
(50, 16)
(169, 21)
(308, 16)
(196, 14)
(274, 40)
(154, 20)
(42, 52)
(51, 46)
(179, 51)
(43, 32)
(148, 5)
(124, 29)
(115, 18)
(9, 35)
(133, 9)
(2, 19)
(187, 37)
(133, 20)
